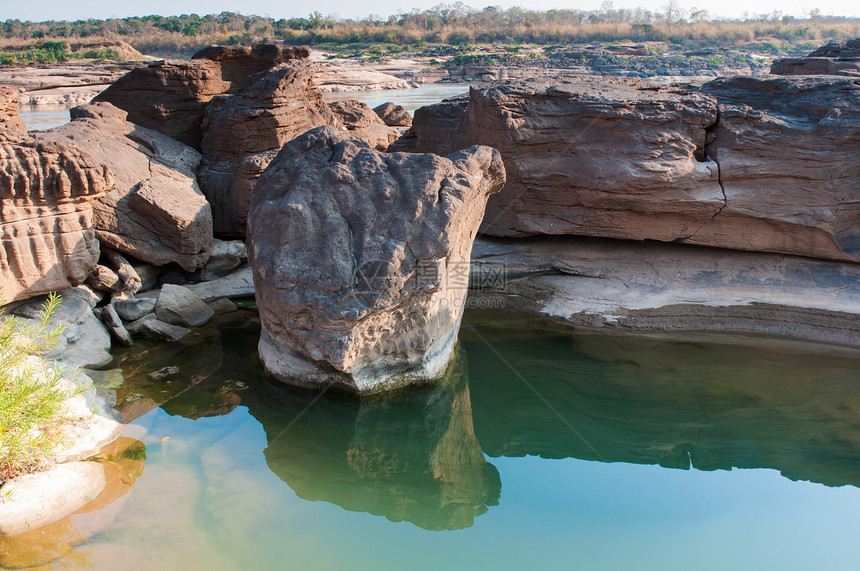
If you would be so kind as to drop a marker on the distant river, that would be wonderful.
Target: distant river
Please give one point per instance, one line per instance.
(48, 116)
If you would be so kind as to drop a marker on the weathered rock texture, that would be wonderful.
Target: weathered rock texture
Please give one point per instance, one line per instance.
(789, 155)
(46, 196)
(748, 164)
(362, 123)
(168, 96)
(594, 157)
(359, 259)
(11, 125)
(239, 62)
(156, 212)
(835, 58)
(664, 287)
(171, 96)
(393, 115)
(244, 132)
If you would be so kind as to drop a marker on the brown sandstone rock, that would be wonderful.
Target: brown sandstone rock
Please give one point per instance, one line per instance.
(243, 133)
(102, 278)
(360, 259)
(46, 195)
(789, 156)
(362, 123)
(156, 212)
(168, 96)
(10, 122)
(744, 163)
(171, 96)
(239, 62)
(393, 115)
(595, 157)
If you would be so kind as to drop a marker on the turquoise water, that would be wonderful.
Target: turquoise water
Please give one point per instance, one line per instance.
(543, 448)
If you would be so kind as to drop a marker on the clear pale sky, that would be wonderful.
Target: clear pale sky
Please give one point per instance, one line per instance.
(71, 10)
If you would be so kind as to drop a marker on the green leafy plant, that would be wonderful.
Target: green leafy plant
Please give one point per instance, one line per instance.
(31, 394)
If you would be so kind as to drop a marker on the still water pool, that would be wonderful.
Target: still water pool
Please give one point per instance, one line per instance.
(545, 447)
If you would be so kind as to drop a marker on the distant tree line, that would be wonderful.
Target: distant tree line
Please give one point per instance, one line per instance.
(451, 24)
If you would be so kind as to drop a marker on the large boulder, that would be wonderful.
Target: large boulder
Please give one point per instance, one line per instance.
(834, 58)
(168, 96)
(360, 259)
(243, 132)
(156, 212)
(789, 156)
(46, 196)
(596, 157)
(742, 163)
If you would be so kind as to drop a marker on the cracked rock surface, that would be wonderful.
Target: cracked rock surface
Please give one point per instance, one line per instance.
(743, 163)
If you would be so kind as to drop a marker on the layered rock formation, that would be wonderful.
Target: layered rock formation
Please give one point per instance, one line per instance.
(788, 152)
(156, 211)
(171, 96)
(359, 259)
(747, 164)
(587, 156)
(243, 132)
(834, 58)
(332, 77)
(239, 62)
(46, 196)
(667, 287)
(238, 105)
(168, 96)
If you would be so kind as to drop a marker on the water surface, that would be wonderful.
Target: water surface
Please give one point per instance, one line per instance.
(40, 117)
(544, 447)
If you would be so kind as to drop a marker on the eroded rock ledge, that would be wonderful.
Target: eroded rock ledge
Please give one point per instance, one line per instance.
(759, 164)
(652, 286)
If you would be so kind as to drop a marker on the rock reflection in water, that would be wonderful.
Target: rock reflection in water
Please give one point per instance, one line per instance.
(410, 456)
(714, 405)
(123, 462)
(202, 375)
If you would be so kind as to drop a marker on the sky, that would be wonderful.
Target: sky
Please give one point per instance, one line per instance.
(66, 10)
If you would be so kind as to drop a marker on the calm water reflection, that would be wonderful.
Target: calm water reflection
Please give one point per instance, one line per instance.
(737, 403)
(233, 458)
